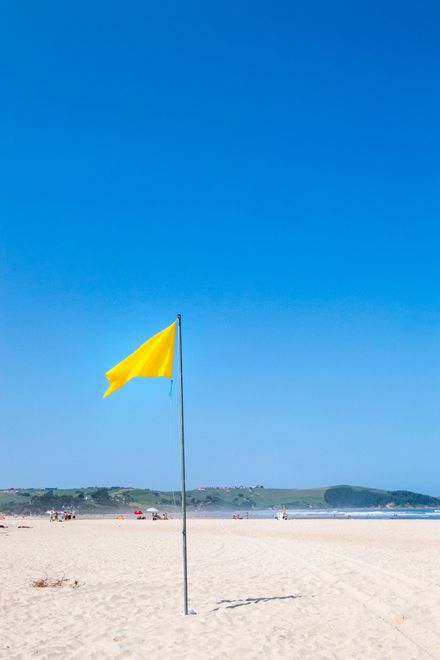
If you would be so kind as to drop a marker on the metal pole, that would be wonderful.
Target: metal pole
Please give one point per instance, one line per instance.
(182, 455)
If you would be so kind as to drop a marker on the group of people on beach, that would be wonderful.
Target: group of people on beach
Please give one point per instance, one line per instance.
(157, 516)
(61, 516)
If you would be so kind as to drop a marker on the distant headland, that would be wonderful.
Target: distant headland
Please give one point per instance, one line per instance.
(96, 499)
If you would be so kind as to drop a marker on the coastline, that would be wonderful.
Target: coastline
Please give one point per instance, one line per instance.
(412, 513)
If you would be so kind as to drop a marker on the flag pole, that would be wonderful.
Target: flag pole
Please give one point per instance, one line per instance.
(182, 456)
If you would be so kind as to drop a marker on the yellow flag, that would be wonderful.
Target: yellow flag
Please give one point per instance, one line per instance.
(153, 358)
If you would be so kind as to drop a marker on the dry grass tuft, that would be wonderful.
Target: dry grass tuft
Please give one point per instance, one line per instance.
(46, 582)
(42, 583)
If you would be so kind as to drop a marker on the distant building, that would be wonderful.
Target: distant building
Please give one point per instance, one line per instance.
(202, 488)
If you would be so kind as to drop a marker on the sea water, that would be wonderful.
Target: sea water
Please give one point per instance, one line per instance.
(358, 514)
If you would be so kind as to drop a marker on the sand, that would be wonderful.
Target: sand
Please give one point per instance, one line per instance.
(262, 589)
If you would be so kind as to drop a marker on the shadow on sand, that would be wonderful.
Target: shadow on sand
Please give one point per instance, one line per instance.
(231, 604)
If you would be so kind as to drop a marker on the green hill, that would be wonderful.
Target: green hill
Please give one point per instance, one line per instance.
(355, 496)
(98, 499)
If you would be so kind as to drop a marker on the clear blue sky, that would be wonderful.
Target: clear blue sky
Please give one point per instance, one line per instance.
(271, 171)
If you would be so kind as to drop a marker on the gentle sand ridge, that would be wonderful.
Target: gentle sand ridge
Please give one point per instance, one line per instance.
(309, 589)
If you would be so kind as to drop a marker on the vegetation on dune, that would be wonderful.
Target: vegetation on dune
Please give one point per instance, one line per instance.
(80, 499)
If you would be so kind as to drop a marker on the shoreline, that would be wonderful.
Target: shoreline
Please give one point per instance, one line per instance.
(413, 513)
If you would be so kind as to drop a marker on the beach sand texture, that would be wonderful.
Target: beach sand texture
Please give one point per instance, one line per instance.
(263, 589)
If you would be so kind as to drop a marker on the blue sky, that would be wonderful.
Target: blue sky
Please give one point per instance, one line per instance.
(270, 171)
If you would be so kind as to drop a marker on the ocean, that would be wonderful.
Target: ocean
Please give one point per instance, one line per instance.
(359, 514)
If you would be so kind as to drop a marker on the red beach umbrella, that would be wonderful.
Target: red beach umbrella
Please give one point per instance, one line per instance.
(138, 512)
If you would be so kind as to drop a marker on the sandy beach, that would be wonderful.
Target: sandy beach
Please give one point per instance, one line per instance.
(262, 589)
